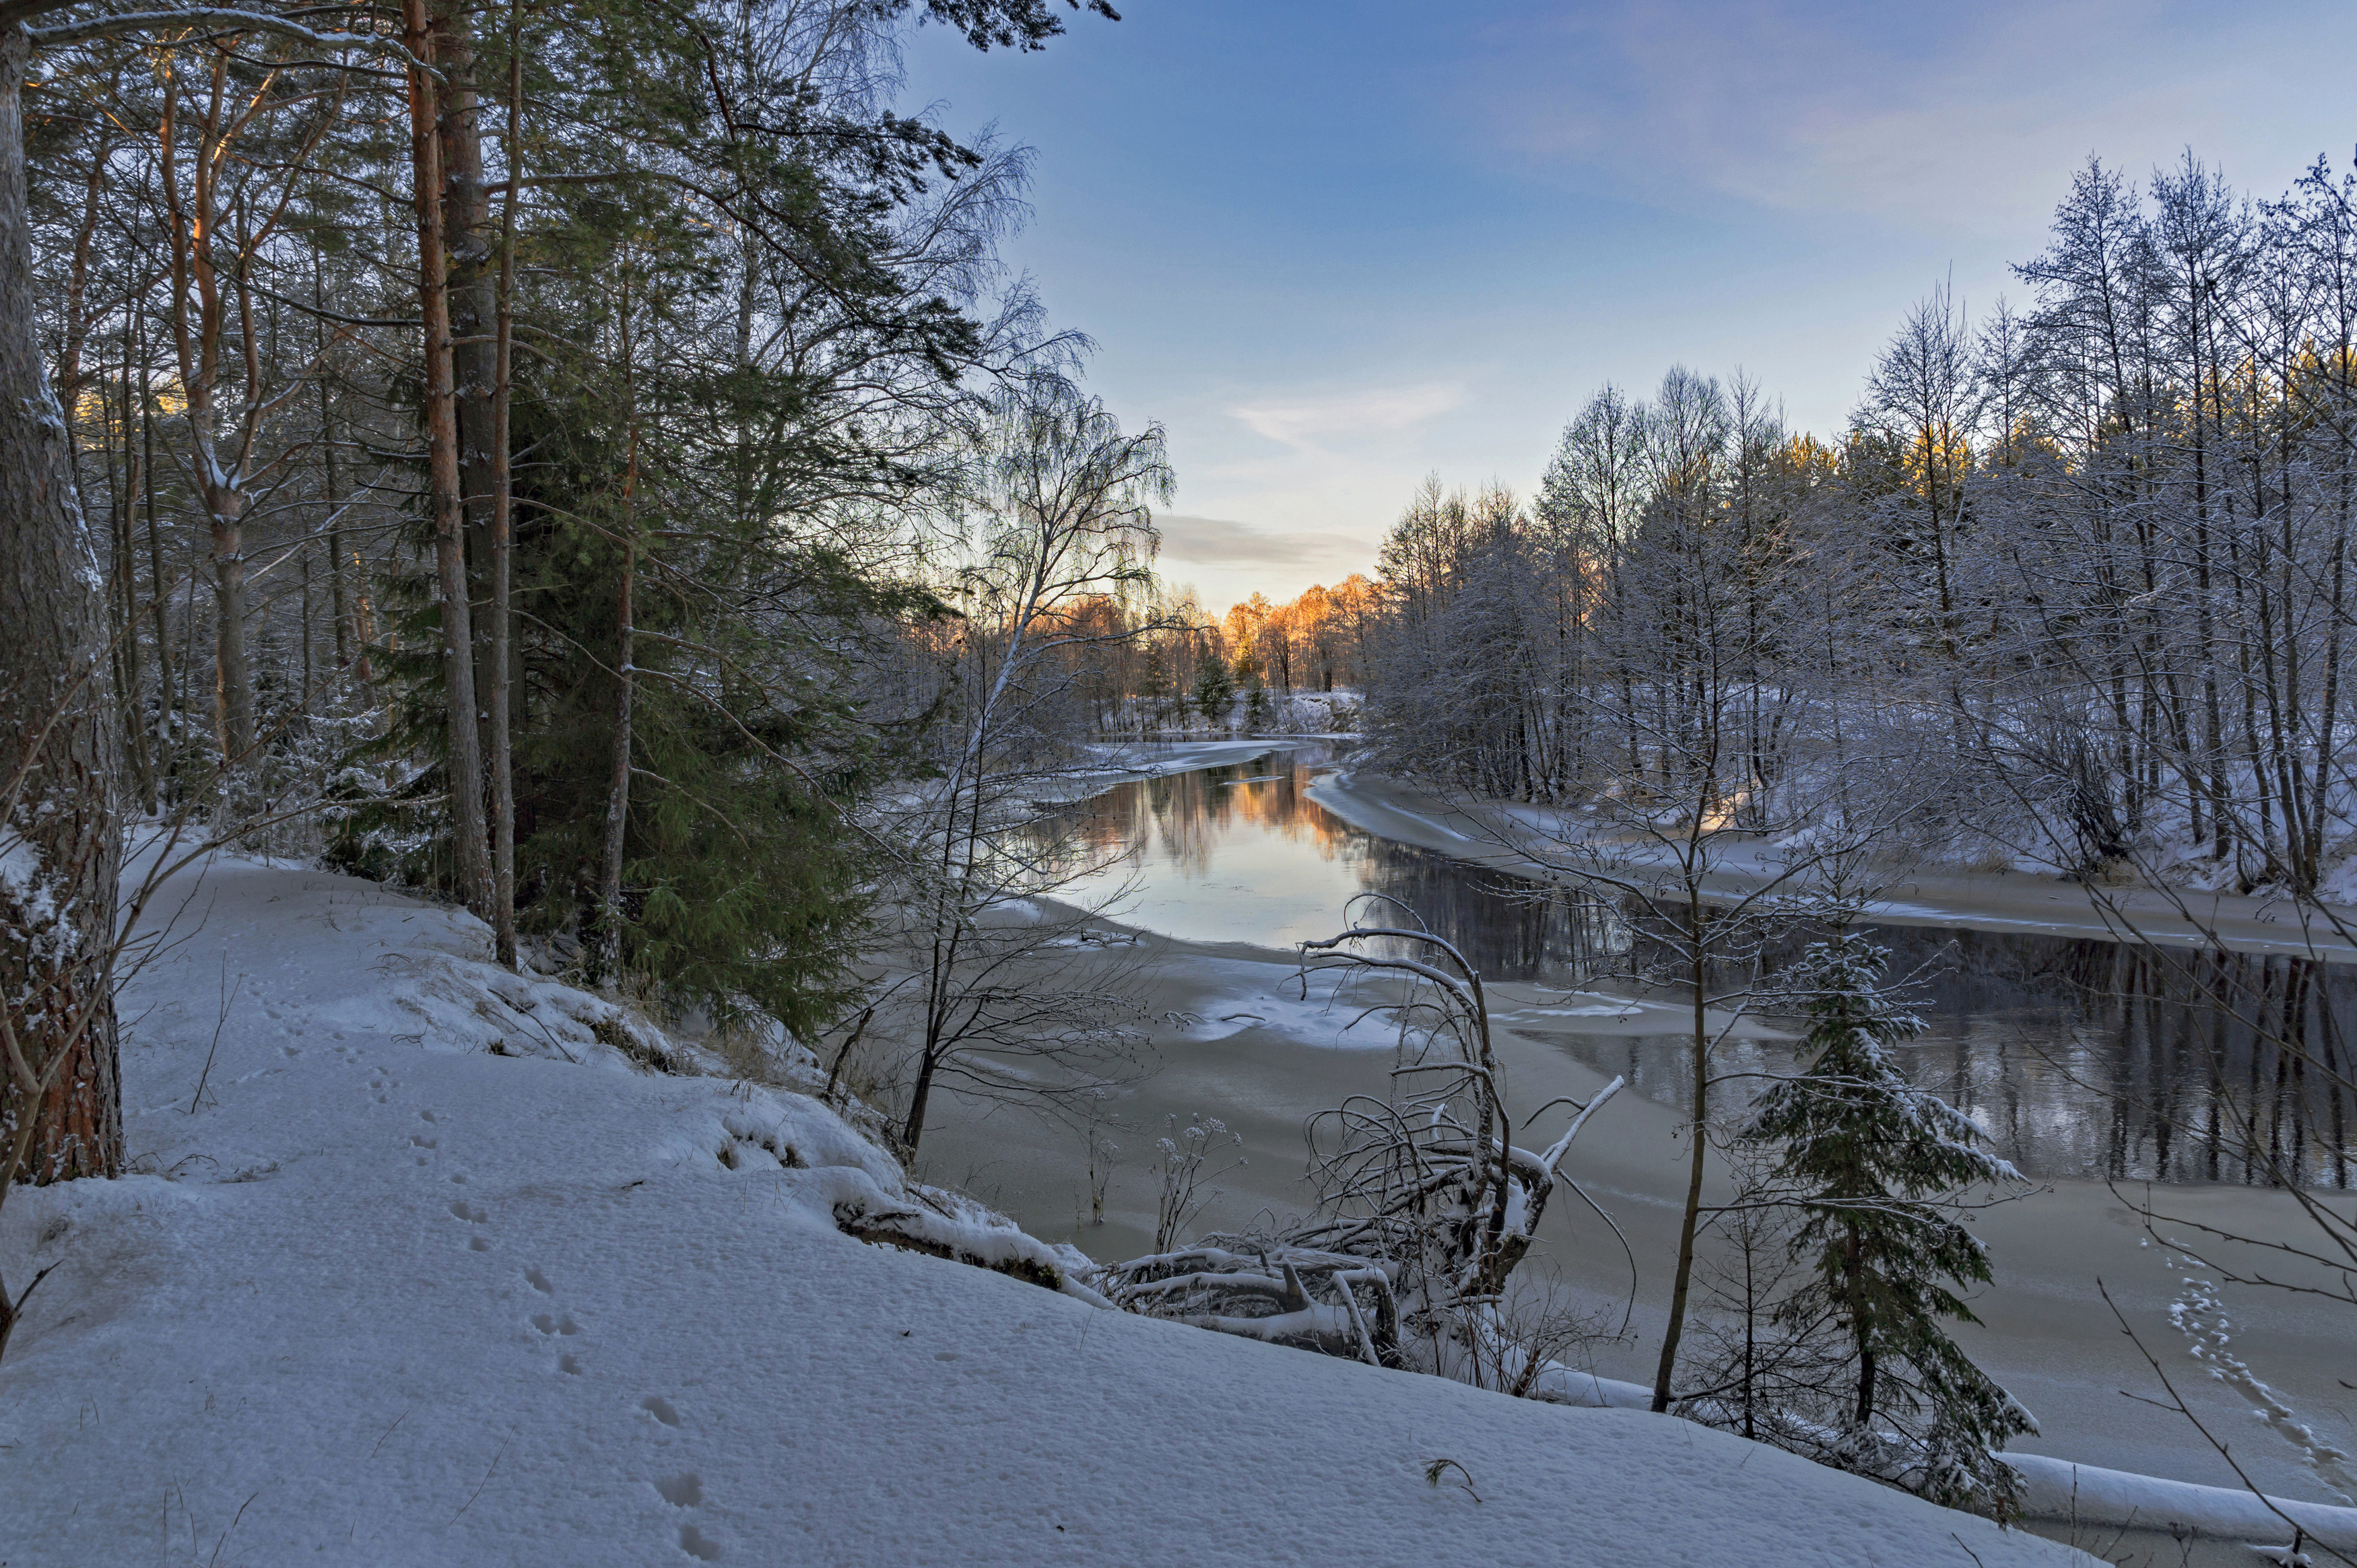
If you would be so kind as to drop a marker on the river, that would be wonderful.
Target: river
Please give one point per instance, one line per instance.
(2095, 1067)
(2080, 1058)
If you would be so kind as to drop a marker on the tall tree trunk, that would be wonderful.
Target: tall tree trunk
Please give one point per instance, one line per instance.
(468, 241)
(618, 786)
(158, 582)
(470, 847)
(232, 672)
(331, 487)
(618, 783)
(60, 1102)
(502, 758)
(125, 629)
(1682, 1283)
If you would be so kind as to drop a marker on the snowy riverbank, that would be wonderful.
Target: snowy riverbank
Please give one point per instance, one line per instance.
(429, 1271)
(1493, 833)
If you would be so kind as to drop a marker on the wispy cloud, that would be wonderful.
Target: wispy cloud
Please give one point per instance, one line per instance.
(1216, 542)
(1318, 421)
(1928, 117)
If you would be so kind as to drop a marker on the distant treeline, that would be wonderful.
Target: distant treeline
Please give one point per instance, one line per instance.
(2074, 581)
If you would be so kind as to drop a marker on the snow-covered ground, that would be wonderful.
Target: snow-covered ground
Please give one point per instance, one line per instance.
(430, 1270)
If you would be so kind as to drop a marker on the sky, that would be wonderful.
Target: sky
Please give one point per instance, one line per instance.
(1335, 245)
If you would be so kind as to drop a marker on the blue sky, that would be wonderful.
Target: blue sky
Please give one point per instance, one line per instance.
(1335, 246)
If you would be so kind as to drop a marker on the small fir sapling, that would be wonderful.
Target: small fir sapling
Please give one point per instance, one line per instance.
(1756, 1363)
(1877, 1169)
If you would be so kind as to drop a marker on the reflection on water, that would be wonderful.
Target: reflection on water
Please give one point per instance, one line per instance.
(2091, 1058)
(2080, 1058)
(1239, 854)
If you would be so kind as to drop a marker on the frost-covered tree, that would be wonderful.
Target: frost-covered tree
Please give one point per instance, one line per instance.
(1062, 516)
(1878, 1168)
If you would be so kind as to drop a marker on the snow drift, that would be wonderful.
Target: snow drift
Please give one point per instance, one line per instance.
(435, 1269)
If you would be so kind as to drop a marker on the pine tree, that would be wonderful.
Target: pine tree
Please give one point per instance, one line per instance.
(1215, 692)
(1876, 1165)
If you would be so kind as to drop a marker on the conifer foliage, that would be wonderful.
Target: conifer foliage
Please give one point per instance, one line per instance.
(1876, 1167)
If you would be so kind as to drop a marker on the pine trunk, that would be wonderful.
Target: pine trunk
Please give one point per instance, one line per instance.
(617, 786)
(60, 1103)
(471, 847)
(468, 241)
(502, 757)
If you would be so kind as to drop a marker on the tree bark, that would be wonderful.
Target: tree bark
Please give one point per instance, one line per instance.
(60, 1103)
(470, 847)
(617, 788)
(502, 758)
(1681, 1283)
(232, 672)
(167, 733)
(468, 241)
(126, 628)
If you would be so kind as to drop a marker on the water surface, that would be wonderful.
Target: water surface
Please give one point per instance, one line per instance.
(2080, 1058)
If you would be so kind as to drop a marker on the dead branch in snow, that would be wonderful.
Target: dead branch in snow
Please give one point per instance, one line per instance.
(1425, 1206)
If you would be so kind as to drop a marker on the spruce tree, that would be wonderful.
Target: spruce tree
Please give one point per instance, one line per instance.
(1215, 692)
(1876, 1166)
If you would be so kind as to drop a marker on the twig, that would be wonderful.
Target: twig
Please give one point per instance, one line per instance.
(481, 1484)
(229, 995)
(388, 1430)
(225, 1534)
(1435, 1469)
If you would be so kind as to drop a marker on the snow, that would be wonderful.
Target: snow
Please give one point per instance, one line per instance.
(2094, 1497)
(389, 1294)
(1501, 831)
(1239, 995)
(1136, 760)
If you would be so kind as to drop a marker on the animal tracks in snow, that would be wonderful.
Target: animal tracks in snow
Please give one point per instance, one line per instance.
(685, 1490)
(555, 1329)
(683, 1518)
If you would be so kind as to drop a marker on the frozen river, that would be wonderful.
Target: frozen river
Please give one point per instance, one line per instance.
(2081, 1058)
(2095, 1068)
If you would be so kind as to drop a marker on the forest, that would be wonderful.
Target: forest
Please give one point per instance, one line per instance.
(592, 471)
(565, 458)
(2072, 587)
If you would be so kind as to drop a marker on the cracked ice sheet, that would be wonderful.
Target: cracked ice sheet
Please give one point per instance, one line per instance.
(471, 1309)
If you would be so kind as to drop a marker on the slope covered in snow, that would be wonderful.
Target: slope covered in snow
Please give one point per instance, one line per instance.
(432, 1268)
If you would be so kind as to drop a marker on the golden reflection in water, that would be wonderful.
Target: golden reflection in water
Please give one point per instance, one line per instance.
(1178, 817)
